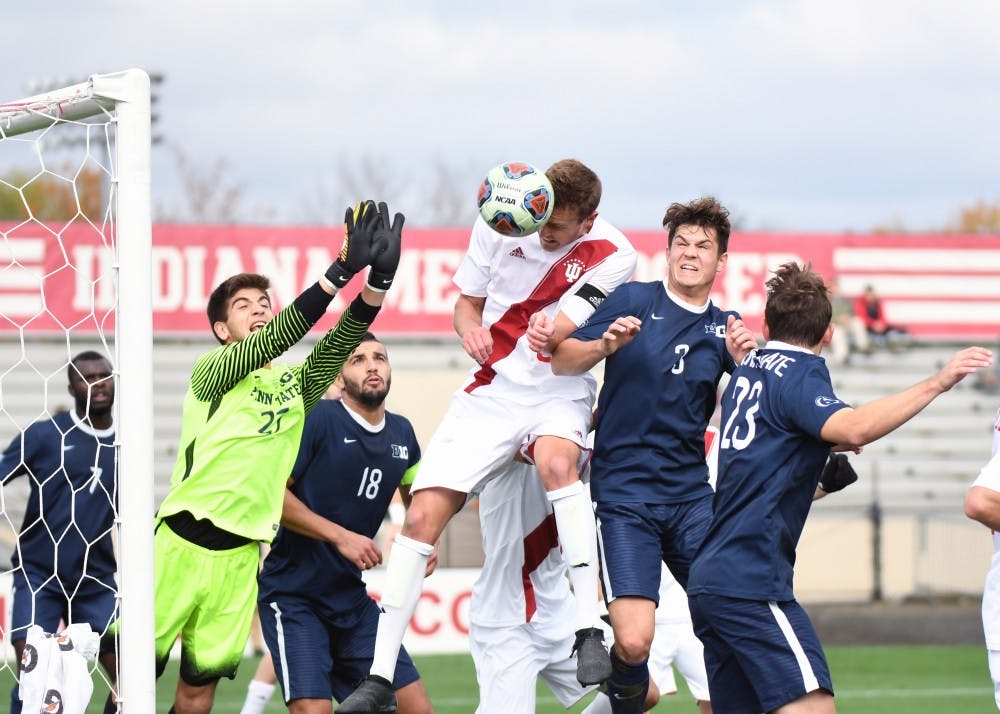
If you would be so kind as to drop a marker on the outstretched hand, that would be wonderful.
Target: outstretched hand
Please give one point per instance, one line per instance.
(356, 252)
(963, 363)
(739, 339)
(620, 333)
(387, 245)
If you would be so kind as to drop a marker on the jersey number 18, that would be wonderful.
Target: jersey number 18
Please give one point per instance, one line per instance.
(373, 479)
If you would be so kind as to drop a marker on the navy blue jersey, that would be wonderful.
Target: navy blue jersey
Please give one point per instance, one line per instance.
(771, 457)
(71, 507)
(659, 393)
(347, 474)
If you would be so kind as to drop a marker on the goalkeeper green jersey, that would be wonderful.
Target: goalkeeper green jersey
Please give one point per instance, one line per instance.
(243, 421)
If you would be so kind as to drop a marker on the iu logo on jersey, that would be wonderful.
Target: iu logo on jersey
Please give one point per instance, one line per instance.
(574, 269)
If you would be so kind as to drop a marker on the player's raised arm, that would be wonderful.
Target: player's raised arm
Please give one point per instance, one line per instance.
(328, 356)
(875, 419)
(253, 335)
(476, 339)
(574, 356)
(739, 339)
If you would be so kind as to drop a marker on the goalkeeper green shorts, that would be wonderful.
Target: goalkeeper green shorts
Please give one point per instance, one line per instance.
(207, 597)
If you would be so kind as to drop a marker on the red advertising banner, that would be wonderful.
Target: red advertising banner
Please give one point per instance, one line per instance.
(936, 285)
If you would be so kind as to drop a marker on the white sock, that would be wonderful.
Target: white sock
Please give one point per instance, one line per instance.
(258, 695)
(578, 538)
(404, 579)
(600, 705)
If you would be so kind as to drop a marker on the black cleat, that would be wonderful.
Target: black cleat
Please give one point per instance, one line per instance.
(373, 696)
(593, 663)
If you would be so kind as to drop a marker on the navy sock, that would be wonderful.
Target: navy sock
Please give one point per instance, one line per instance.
(628, 685)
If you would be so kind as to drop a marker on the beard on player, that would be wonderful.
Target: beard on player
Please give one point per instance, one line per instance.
(368, 395)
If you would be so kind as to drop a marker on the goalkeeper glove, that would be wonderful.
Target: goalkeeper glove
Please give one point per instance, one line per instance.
(388, 239)
(356, 252)
(837, 474)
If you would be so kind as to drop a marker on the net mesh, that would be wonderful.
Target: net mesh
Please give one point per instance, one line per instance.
(57, 300)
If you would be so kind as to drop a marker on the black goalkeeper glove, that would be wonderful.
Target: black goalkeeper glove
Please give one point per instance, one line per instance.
(357, 251)
(388, 241)
(837, 474)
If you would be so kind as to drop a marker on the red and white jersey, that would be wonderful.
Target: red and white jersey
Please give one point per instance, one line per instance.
(524, 575)
(518, 278)
(989, 478)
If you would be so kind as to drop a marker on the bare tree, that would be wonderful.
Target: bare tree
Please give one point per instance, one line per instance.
(209, 194)
(436, 195)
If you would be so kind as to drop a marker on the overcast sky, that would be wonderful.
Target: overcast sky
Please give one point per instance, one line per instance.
(818, 115)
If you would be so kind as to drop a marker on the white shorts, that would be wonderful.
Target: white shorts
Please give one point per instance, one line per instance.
(508, 662)
(676, 645)
(480, 436)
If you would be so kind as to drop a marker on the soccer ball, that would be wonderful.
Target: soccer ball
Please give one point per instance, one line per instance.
(515, 199)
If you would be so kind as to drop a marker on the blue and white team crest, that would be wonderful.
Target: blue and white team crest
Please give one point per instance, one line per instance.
(717, 330)
(400, 452)
(824, 402)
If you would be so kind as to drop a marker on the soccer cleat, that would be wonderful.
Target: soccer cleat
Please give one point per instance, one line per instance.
(373, 696)
(593, 663)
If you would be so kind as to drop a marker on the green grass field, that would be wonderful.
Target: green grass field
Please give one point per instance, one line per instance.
(869, 680)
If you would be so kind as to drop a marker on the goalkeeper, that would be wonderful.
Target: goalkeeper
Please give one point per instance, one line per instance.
(242, 423)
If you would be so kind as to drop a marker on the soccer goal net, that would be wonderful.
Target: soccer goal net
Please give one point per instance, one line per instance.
(76, 540)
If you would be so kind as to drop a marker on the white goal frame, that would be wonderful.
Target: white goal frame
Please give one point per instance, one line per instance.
(126, 97)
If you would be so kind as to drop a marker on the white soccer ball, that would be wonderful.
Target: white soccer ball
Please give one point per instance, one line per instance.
(515, 199)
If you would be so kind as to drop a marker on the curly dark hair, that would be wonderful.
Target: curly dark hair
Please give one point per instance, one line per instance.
(704, 212)
(218, 301)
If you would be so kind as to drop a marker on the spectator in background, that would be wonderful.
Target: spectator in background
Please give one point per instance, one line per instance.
(849, 331)
(868, 307)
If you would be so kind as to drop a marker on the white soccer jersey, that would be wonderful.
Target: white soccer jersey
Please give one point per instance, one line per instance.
(524, 576)
(518, 278)
(989, 478)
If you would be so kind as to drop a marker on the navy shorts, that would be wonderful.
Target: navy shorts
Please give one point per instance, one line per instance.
(759, 655)
(635, 537)
(90, 602)
(322, 654)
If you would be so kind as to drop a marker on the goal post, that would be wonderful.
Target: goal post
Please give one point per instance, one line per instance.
(119, 105)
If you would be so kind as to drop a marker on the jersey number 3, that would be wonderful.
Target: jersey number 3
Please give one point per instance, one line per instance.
(741, 428)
